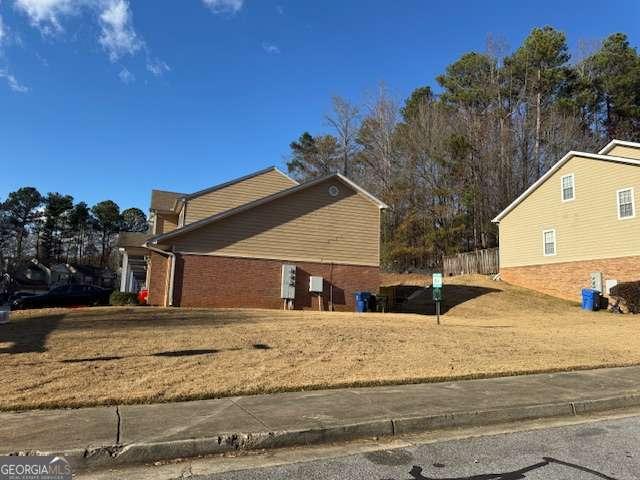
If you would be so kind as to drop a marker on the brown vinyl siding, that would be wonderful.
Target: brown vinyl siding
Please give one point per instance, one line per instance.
(236, 194)
(309, 225)
(162, 200)
(166, 222)
(587, 227)
(625, 152)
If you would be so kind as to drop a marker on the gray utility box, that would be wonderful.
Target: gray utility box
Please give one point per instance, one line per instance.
(315, 284)
(596, 281)
(288, 286)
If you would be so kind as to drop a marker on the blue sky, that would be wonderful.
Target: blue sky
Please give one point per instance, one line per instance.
(107, 99)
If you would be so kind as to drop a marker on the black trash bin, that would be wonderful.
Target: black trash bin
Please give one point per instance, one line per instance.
(372, 303)
(366, 299)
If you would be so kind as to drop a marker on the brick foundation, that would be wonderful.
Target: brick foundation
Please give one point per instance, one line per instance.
(565, 280)
(212, 281)
(157, 273)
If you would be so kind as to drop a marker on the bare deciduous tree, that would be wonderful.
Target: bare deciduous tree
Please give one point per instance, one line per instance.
(344, 121)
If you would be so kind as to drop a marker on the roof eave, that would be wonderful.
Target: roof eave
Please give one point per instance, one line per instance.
(615, 143)
(380, 203)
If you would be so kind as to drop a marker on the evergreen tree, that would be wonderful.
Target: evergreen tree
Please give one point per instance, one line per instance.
(21, 210)
(80, 224)
(313, 157)
(540, 67)
(107, 221)
(419, 99)
(614, 85)
(134, 220)
(56, 208)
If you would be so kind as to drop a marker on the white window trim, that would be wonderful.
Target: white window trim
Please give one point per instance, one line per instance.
(573, 184)
(633, 203)
(555, 243)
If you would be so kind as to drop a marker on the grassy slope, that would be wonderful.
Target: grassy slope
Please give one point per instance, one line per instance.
(130, 355)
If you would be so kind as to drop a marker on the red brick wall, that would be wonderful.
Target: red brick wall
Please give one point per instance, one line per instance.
(565, 280)
(212, 281)
(157, 267)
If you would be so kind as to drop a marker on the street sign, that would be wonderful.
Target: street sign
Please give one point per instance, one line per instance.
(437, 289)
(437, 294)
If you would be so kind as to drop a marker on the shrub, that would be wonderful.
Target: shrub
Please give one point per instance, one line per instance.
(627, 295)
(123, 298)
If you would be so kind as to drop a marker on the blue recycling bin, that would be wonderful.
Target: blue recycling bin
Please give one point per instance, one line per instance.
(361, 304)
(362, 301)
(590, 299)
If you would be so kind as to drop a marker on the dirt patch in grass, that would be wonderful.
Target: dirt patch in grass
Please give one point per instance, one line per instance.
(53, 358)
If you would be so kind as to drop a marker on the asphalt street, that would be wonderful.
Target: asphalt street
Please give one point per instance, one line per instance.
(608, 449)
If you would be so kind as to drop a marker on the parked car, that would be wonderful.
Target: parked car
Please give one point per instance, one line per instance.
(18, 295)
(65, 296)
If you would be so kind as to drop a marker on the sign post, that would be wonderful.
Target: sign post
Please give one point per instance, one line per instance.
(437, 288)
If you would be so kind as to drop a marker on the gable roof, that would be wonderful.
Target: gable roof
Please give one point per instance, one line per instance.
(554, 168)
(240, 179)
(618, 143)
(261, 201)
(163, 200)
(168, 201)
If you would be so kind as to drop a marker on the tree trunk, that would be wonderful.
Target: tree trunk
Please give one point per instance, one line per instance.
(19, 244)
(104, 247)
(346, 161)
(536, 147)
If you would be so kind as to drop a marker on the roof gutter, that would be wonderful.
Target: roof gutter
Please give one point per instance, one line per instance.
(168, 301)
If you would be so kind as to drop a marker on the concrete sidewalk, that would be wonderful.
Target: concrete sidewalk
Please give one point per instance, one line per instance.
(103, 436)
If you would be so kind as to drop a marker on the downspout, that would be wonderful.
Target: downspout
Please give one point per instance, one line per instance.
(172, 270)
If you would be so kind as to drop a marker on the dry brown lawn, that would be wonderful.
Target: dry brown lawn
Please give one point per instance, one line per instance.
(407, 279)
(97, 356)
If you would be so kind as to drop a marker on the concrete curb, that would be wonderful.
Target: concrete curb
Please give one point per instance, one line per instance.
(143, 452)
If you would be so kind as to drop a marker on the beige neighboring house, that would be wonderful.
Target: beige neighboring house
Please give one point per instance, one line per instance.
(232, 245)
(579, 218)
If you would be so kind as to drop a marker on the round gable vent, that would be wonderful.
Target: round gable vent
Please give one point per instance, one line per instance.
(333, 191)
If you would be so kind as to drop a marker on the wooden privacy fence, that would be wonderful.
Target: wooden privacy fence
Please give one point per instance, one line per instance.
(481, 261)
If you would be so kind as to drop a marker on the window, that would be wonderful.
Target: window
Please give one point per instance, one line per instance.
(567, 184)
(626, 206)
(549, 242)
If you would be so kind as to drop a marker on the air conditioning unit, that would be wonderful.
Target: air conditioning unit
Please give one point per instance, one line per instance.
(316, 284)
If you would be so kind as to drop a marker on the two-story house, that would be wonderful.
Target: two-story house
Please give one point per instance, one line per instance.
(256, 241)
(579, 218)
